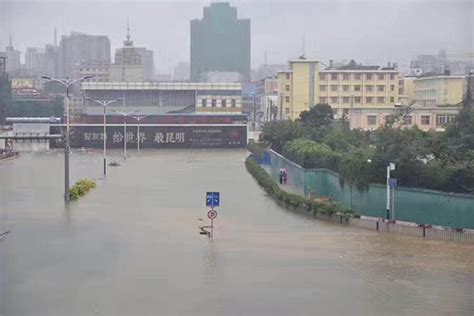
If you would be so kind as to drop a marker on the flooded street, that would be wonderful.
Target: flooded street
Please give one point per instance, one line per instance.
(131, 247)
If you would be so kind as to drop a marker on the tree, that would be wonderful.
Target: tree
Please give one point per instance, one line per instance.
(319, 116)
(277, 133)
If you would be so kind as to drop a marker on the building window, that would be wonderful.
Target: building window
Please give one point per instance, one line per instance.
(204, 103)
(214, 103)
(333, 88)
(380, 88)
(345, 77)
(392, 99)
(322, 76)
(371, 120)
(345, 100)
(368, 88)
(233, 103)
(368, 76)
(357, 99)
(380, 100)
(368, 100)
(380, 77)
(392, 76)
(387, 118)
(287, 99)
(287, 88)
(392, 87)
(223, 103)
(287, 75)
(345, 88)
(322, 88)
(357, 77)
(323, 100)
(333, 76)
(334, 99)
(287, 110)
(345, 111)
(357, 88)
(443, 119)
(407, 120)
(425, 120)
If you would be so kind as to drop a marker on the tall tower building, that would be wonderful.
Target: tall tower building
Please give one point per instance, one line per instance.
(220, 42)
(79, 48)
(132, 63)
(13, 58)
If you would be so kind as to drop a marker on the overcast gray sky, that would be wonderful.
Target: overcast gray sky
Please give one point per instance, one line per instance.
(369, 31)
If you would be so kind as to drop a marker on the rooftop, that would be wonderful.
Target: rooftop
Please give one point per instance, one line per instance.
(352, 65)
(160, 86)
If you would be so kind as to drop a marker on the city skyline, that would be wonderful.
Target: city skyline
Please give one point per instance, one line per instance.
(383, 39)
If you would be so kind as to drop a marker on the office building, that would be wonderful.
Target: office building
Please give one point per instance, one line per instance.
(12, 58)
(220, 42)
(440, 90)
(78, 47)
(284, 94)
(34, 61)
(342, 87)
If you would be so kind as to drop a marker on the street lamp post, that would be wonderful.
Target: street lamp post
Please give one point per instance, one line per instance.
(125, 114)
(104, 104)
(139, 118)
(66, 83)
(390, 167)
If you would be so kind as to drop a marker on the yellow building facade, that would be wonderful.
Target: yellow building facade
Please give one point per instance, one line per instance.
(344, 87)
(439, 90)
(284, 94)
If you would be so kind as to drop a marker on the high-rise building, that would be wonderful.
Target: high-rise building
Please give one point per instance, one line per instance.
(132, 64)
(34, 61)
(78, 47)
(51, 61)
(5, 88)
(13, 58)
(220, 42)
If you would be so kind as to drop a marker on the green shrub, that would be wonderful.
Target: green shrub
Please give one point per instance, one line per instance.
(291, 199)
(81, 188)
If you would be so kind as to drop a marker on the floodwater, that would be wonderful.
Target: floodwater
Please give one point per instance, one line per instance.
(131, 247)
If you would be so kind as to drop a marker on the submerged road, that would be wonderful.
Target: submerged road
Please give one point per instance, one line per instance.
(131, 247)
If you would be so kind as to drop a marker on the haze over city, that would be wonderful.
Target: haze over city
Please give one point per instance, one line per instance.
(369, 31)
(249, 157)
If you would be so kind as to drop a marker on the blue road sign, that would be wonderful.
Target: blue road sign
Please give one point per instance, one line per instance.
(212, 199)
(392, 182)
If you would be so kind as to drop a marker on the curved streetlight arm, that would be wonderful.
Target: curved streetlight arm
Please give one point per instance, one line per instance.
(104, 102)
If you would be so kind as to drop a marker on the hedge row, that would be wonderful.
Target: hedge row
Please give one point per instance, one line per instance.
(81, 188)
(290, 199)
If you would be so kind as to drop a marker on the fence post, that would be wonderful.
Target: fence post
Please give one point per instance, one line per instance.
(377, 225)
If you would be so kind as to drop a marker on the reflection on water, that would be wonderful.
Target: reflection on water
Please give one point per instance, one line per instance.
(131, 247)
